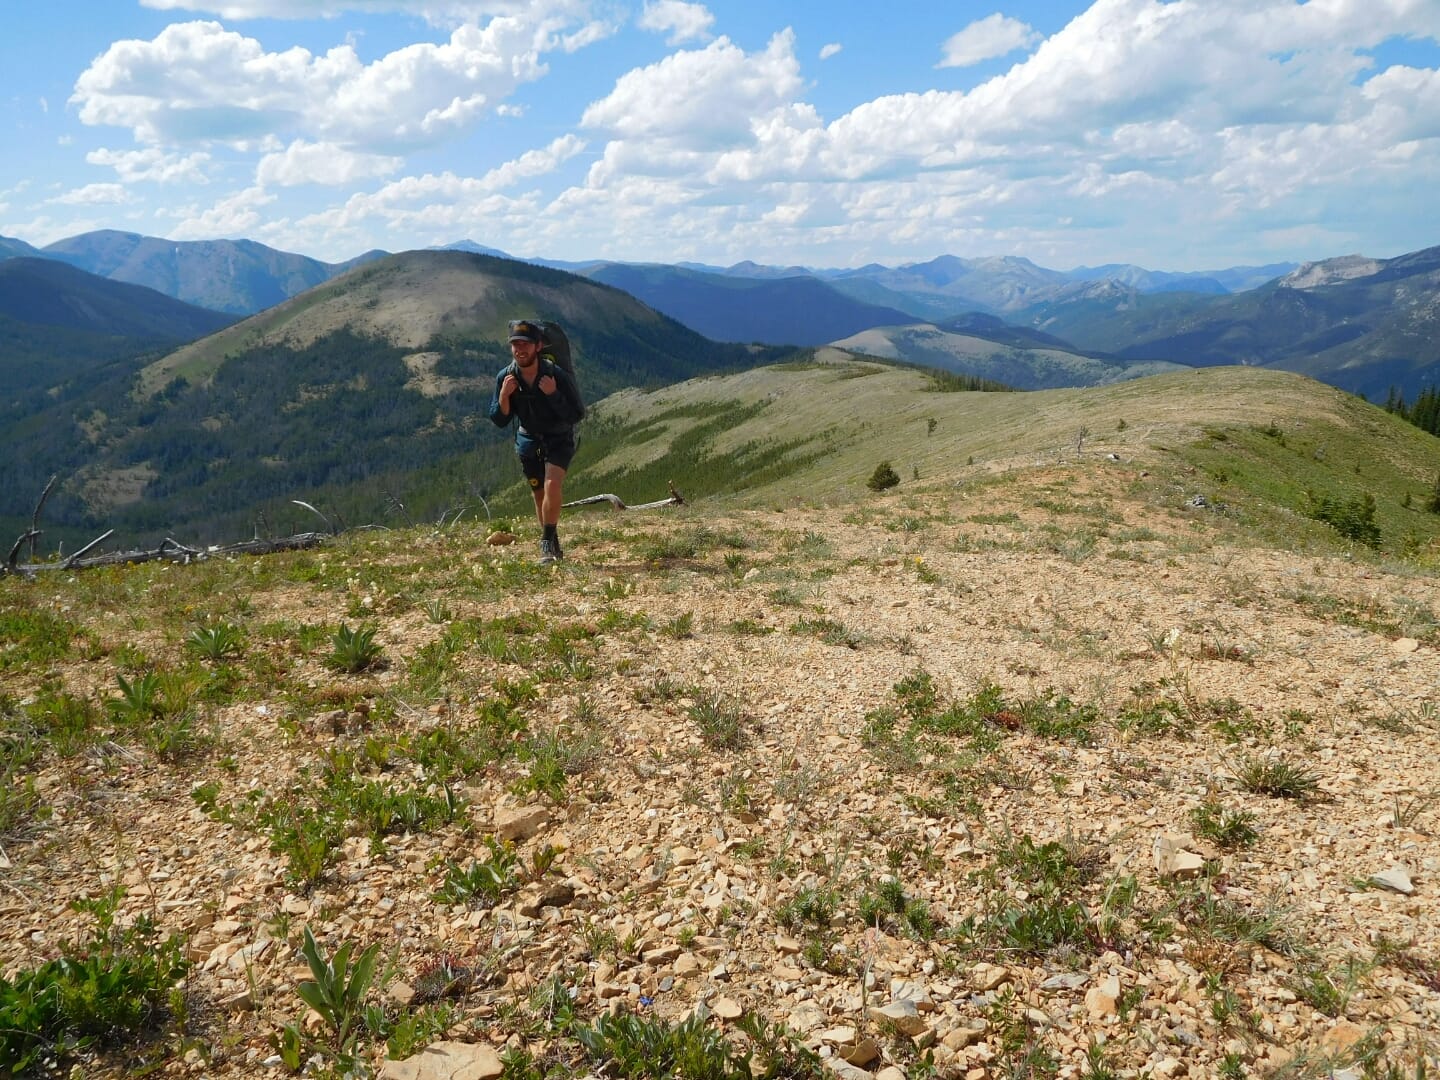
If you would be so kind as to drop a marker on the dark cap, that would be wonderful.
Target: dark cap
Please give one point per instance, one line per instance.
(523, 330)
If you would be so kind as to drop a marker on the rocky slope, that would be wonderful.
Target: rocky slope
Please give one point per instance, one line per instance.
(917, 776)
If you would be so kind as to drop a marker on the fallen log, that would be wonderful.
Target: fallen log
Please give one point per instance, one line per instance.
(675, 499)
(172, 550)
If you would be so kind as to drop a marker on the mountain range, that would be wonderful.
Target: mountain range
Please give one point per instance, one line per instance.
(378, 378)
(378, 374)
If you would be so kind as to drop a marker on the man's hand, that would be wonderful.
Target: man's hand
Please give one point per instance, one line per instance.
(508, 388)
(546, 384)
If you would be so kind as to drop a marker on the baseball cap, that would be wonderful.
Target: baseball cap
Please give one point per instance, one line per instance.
(525, 330)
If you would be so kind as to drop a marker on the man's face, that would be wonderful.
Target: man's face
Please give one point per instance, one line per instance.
(524, 352)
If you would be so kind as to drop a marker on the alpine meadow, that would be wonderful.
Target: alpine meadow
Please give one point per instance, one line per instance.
(942, 725)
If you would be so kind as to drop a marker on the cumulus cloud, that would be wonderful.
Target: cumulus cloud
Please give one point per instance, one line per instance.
(430, 202)
(198, 83)
(706, 98)
(92, 195)
(133, 166)
(827, 51)
(234, 215)
(680, 20)
(991, 37)
(1138, 110)
(322, 163)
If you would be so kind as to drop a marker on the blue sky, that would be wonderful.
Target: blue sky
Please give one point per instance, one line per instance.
(1176, 134)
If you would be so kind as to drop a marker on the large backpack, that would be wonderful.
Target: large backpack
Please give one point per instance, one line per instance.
(556, 349)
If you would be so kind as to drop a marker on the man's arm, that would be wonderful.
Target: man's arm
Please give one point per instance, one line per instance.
(500, 413)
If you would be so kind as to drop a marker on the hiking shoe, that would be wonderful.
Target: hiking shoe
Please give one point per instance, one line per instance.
(550, 551)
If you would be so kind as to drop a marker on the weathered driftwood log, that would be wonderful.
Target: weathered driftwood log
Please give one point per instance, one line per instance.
(675, 499)
(172, 550)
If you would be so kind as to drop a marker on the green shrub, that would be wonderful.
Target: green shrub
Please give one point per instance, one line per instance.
(883, 478)
(1228, 829)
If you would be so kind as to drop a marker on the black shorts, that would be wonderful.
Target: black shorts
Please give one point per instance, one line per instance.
(537, 451)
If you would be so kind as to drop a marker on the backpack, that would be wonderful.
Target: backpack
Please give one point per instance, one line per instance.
(556, 349)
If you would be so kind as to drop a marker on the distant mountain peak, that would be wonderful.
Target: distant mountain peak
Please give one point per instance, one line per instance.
(1311, 275)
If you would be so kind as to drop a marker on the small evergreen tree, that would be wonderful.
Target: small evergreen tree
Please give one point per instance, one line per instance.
(883, 477)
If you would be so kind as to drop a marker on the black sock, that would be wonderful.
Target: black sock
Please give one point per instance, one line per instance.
(552, 532)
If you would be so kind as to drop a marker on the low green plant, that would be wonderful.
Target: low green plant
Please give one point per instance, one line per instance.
(484, 881)
(68, 723)
(353, 651)
(1231, 1066)
(811, 906)
(337, 987)
(1328, 990)
(309, 841)
(139, 701)
(1037, 926)
(1269, 924)
(721, 721)
(781, 1055)
(681, 627)
(216, 641)
(1225, 828)
(632, 1047)
(628, 1046)
(116, 985)
(21, 806)
(1096, 1066)
(408, 1033)
(829, 631)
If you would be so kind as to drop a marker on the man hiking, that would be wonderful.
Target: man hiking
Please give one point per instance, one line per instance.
(543, 399)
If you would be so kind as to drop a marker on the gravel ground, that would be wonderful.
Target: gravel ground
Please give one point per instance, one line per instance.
(742, 727)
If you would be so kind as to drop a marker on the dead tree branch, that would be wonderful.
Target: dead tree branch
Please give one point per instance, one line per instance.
(675, 499)
(174, 551)
(35, 517)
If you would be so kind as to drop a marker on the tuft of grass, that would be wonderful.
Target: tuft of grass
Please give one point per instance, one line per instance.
(721, 721)
(1227, 829)
(1276, 777)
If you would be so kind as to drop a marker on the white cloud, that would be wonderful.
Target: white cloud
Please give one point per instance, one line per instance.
(434, 202)
(827, 51)
(321, 163)
(701, 99)
(44, 105)
(991, 37)
(234, 215)
(1112, 120)
(198, 84)
(682, 21)
(133, 166)
(93, 195)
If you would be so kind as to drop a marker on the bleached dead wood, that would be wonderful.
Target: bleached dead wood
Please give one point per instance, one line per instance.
(675, 499)
(172, 550)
